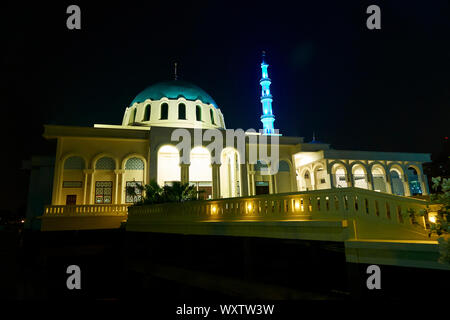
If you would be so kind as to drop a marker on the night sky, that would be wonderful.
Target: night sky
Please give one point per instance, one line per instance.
(360, 89)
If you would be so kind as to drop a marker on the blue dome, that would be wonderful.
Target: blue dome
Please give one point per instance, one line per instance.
(174, 90)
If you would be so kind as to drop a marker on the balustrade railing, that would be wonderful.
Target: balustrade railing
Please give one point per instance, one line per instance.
(339, 203)
(86, 210)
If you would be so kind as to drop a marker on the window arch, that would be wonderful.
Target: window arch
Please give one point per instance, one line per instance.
(147, 112)
(105, 163)
(134, 164)
(74, 163)
(198, 113)
(164, 111)
(284, 166)
(182, 111)
(211, 113)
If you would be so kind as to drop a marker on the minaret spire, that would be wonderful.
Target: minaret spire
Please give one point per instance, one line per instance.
(267, 117)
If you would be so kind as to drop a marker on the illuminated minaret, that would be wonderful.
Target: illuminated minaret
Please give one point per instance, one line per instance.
(267, 117)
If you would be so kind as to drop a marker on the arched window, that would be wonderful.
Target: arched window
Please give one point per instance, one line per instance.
(211, 113)
(74, 163)
(182, 111)
(148, 110)
(134, 164)
(105, 163)
(164, 111)
(198, 113)
(283, 166)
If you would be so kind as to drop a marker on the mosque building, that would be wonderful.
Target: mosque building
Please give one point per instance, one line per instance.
(94, 165)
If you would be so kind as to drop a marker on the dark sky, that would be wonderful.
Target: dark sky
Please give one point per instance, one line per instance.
(382, 90)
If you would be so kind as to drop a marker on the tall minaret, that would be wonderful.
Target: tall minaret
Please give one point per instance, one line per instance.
(267, 117)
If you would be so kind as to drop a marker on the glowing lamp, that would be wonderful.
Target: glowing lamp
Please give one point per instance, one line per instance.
(297, 205)
(249, 207)
(432, 219)
(214, 210)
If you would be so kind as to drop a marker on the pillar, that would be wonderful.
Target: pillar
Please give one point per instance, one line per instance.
(350, 182)
(331, 181)
(153, 166)
(370, 183)
(215, 180)
(87, 187)
(91, 188)
(244, 180)
(424, 185)
(184, 173)
(388, 183)
(118, 186)
(251, 182)
(406, 188)
(271, 185)
(57, 173)
(275, 184)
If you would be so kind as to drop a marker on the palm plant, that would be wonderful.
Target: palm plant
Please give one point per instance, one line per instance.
(180, 192)
(153, 193)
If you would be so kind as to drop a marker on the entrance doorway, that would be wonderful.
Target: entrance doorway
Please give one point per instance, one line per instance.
(261, 187)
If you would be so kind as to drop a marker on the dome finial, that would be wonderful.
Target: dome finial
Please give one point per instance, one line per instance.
(175, 71)
(263, 56)
(314, 136)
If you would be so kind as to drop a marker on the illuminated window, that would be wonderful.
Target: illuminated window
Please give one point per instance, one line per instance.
(148, 110)
(211, 113)
(103, 192)
(198, 113)
(182, 111)
(164, 111)
(130, 198)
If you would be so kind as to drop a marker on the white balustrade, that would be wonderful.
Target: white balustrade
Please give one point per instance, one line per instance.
(341, 203)
(86, 210)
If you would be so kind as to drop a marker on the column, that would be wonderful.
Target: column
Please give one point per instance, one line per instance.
(406, 186)
(244, 180)
(424, 185)
(116, 186)
(251, 182)
(91, 188)
(153, 167)
(387, 179)
(350, 182)
(271, 188)
(370, 183)
(331, 181)
(216, 180)
(184, 172)
(275, 184)
(87, 175)
(119, 186)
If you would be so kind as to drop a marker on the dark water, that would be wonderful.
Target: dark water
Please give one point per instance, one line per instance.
(116, 265)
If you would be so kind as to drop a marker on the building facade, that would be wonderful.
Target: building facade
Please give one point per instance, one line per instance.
(95, 165)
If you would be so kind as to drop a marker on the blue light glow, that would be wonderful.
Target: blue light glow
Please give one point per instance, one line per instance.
(267, 118)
